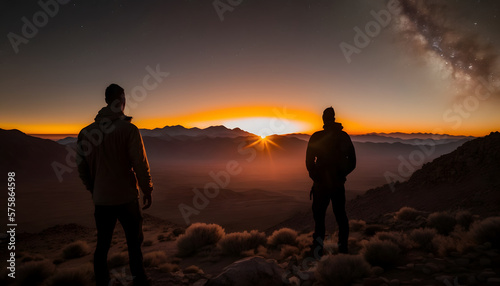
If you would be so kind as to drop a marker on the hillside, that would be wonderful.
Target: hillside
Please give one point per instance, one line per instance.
(466, 178)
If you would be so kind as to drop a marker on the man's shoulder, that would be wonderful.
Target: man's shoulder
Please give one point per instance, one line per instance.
(317, 135)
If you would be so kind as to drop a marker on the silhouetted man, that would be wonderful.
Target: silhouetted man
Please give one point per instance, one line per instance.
(330, 157)
(112, 164)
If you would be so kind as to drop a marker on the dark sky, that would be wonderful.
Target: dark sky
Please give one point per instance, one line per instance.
(419, 73)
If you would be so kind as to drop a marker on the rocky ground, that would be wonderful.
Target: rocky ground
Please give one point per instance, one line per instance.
(394, 251)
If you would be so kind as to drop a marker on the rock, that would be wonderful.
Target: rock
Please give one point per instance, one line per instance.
(443, 278)
(430, 268)
(295, 281)
(419, 267)
(471, 280)
(200, 282)
(462, 261)
(394, 282)
(416, 281)
(492, 253)
(483, 276)
(494, 281)
(377, 270)
(485, 261)
(249, 271)
(373, 281)
(410, 265)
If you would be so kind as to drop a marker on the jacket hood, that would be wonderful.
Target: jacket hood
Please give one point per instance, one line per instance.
(333, 127)
(108, 113)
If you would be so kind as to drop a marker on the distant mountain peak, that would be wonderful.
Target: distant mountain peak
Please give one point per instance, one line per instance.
(179, 130)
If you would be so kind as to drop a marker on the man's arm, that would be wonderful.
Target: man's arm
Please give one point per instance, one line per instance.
(311, 158)
(140, 163)
(351, 155)
(83, 165)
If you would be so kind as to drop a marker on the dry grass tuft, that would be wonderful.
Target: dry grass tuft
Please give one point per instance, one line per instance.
(423, 237)
(341, 269)
(197, 236)
(443, 222)
(383, 253)
(236, 243)
(356, 225)
(76, 249)
(487, 230)
(155, 258)
(407, 214)
(283, 236)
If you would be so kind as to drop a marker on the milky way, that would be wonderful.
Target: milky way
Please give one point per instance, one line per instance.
(435, 35)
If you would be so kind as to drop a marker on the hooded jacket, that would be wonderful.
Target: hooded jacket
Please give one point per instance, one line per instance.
(330, 155)
(111, 159)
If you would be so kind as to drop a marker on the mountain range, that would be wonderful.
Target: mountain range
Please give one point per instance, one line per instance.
(274, 166)
(180, 132)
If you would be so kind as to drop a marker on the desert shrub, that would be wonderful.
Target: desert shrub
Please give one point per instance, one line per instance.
(197, 236)
(356, 225)
(304, 240)
(487, 230)
(235, 243)
(118, 259)
(261, 251)
(354, 245)
(444, 245)
(341, 269)
(154, 258)
(330, 247)
(283, 236)
(407, 214)
(464, 219)
(422, 237)
(34, 273)
(372, 229)
(147, 243)
(76, 249)
(397, 238)
(75, 277)
(288, 250)
(192, 269)
(383, 253)
(168, 267)
(443, 222)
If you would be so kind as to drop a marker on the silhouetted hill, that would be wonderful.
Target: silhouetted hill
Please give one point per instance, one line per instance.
(466, 178)
(29, 156)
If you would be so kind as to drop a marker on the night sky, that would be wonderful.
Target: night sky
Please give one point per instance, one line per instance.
(432, 66)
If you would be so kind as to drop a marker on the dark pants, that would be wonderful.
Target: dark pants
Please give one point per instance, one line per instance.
(321, 199)
(130, 218)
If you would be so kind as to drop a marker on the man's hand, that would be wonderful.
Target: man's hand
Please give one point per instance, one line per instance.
(146, 200)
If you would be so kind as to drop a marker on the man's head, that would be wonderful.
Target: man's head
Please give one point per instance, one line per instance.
(115, 97)
(329, 115)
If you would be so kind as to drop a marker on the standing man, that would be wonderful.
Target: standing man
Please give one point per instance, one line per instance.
(112, 164)
(330, 157)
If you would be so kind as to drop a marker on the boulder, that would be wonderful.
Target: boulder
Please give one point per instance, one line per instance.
(250, 271)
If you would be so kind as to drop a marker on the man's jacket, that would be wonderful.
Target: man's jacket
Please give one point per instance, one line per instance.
(111, 159)
(330, 156)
